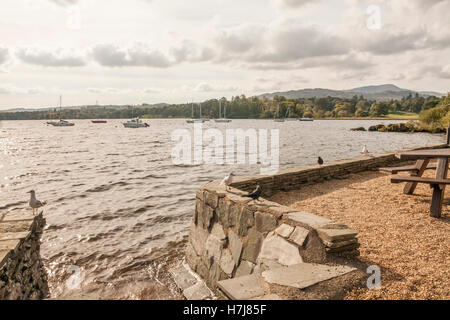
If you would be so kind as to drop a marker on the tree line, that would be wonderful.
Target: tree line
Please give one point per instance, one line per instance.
(242, 107)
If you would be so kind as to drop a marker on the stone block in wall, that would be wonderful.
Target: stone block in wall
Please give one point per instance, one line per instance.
(218, 232)
(299, 235)
(211, 199)
(313, 250)
(278, 249)
(235, 246)
(213, 250)
(265, 222)
(252, 246)
(333, 235)
(245, 268)
(244, 220)
(307, 220)
(284, 230)
(198, 237)
(227, 263)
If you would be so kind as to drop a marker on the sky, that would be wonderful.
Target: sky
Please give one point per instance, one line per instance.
(177, 51)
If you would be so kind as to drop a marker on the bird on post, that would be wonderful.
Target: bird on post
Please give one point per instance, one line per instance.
(320, 161)
(228, 180)
(34, 203)
(255, 194)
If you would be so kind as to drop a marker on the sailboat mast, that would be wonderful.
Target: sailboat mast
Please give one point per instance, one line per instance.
(220, 109)
(200, 110)
(60, 106)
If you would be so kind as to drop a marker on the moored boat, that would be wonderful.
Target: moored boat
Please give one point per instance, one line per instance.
(61, 123)
(98, 121)
(135, 123)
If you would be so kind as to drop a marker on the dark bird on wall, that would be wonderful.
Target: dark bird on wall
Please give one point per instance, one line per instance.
(320, 161)
(255, 194)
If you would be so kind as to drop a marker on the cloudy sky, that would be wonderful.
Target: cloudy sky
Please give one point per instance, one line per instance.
(136, 51)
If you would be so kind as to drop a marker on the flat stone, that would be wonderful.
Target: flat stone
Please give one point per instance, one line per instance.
(349, 247)
(192, 259)
(267, 264)
(208, 214)
(277, 249)
(182, 277)
(333, 235)
(18, 216)
(242, 288)
(284, 230)
(211, 199)
(235, 246)
(246, 221)
(213, 250)
(227, 263)
(223, 213)
(9, 244)
(14, 235)
(304, 275)
(217, 231)
(271, 296)
(197, 237)
(339, 244)
(299, 235)
(198, 291)
(265, 222)
(309, 219)
(252, 246)
(245, 268)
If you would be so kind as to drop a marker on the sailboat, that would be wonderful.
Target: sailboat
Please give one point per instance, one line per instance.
(288, 115)
(224, 119)
(196, 120)
(276, 119)
(61, 122)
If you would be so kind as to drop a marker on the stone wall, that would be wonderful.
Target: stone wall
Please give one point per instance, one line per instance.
(22, 275)
(232, 236)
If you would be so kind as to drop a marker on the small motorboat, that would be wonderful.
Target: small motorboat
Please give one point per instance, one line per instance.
(61, 123)
(135, 123)
(306, 119)
(195, 120)
(98, 121)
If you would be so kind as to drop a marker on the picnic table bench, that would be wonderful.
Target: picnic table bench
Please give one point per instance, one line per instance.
(423, 158)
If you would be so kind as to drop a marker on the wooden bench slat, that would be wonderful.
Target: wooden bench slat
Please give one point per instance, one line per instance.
(399, 179)
(412, 167)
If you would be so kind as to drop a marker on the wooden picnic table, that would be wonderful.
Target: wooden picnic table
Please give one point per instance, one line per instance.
(438, 183)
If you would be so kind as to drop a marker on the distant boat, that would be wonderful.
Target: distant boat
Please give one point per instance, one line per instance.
(276, 119)
(196, 120)
(135, 123)
(224, 119)
(61, 122)
(306, 119)
(98, 121)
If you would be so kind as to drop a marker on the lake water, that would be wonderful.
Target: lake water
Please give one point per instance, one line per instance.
(119, 210)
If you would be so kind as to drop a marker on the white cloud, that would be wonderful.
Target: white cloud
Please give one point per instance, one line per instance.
(4, 55)
(138, 55)
(46, 58)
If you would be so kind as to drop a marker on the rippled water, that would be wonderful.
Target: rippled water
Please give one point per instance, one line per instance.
(119, 209)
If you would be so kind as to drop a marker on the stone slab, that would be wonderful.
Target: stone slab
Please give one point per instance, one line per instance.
(284, 230)
(339, 244)
(14, 235)
(278, 249)
(9, 244)
(18, 216)
(299, 235)
(309, 219)
(235, 246)
(213, 250)
(242, 288)
(217, 231)
(304, 275)
(182, 277)
(198, 291)
(227, 263)
(245, 268)
(252, 246)
(333, 235)
(265, 222)
(198, 237)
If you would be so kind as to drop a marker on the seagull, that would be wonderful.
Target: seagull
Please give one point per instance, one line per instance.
(228, 180)
(364, 150)
(320, 161)
(256, 193)
(35, 203)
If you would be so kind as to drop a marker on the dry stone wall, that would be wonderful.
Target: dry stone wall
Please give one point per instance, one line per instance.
(22, 275)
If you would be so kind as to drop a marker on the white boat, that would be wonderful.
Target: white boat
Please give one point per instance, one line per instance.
(196, 120)
(135, 123)
(61, 122)
(224, 119)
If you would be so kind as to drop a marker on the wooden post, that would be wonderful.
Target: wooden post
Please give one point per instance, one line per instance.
(448, 136)
(438, 191)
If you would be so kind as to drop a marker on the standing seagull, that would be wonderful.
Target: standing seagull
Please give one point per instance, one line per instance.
(227, 180)
(320, 161)
(364, 150)
(256, 193)
(35, 203)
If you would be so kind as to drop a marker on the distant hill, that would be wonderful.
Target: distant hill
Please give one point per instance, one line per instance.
(380, 93)
(145, 105)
